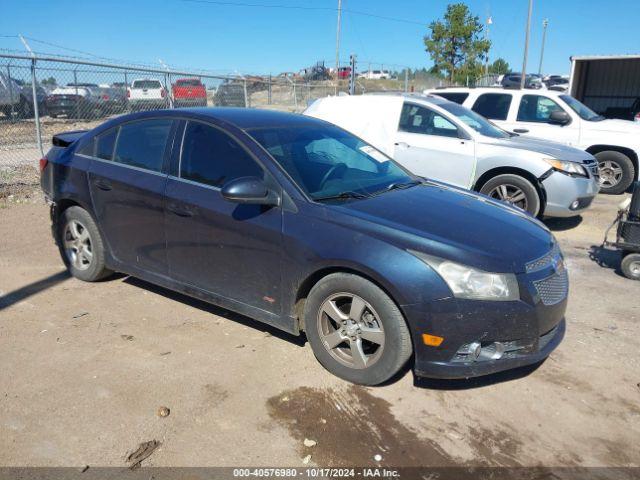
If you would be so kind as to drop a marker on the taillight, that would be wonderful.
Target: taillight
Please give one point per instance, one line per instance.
(105, 97)
(637, 117)
(128, 93)
(43, 163)
(163, 93)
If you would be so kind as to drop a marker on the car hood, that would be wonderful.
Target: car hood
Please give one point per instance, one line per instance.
(451, 223)
(613, 126)
(556, 150)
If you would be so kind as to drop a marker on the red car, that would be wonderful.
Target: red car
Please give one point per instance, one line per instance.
(189, 92)
(344, 72)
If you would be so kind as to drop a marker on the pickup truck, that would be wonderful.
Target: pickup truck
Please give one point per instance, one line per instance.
(189, 92)
(147, 94)
(559, 117)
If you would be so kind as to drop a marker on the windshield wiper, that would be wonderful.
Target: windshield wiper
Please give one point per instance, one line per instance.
(399, 186)
(342, 196)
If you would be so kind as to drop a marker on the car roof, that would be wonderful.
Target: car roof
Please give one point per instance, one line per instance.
(550, 93)
(424, 97)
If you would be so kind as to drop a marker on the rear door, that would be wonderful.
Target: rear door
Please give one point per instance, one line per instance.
(230, 250)
(127, 180)
(430, 145)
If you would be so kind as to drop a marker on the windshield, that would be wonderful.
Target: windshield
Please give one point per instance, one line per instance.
(190, 82)
(326, 161)
(581, 109)
(475, 121)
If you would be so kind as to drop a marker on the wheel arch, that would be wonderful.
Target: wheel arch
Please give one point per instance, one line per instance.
(305, 287)
(494, 172)
(633, 156)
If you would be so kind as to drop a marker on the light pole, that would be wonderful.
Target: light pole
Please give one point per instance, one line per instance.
(338, 37)
(486, 37)
(526, 46)
(545, 24)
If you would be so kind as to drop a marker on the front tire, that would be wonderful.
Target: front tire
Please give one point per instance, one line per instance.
(616, 171)
(514, 189)
(631, 266)
(81, 245)
(355, 330)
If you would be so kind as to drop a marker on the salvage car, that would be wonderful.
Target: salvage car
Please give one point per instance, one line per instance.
(560, 117)
(73, 101)
(442, 140)
(299, 224)
(147, 94)
(189, 92)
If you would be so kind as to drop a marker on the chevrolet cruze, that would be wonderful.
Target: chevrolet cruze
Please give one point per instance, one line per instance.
(295, 222)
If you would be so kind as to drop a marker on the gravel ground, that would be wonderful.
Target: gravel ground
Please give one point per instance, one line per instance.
(85, 368)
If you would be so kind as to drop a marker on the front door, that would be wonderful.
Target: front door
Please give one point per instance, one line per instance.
(127, 187)
(533, 118)
(429, 145)
(230, 250)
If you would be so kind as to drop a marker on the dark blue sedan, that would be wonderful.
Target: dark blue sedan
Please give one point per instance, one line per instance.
(301, 225)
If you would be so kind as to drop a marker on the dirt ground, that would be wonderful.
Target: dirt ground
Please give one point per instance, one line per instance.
(85, 368)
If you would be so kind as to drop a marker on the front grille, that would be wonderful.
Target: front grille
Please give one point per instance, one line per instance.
(553, 289)
(544, 261)
(592, 167)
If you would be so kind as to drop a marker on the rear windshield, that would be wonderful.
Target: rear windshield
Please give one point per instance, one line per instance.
(191, 82)
(457, 97)
(146, 84)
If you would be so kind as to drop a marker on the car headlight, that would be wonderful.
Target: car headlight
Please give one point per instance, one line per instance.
(471, 283)
(570, 168)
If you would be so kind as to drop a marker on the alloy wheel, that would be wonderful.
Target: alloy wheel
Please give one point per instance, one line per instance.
(351, 330)
(77, 245)
(610, 174)
(510, 194)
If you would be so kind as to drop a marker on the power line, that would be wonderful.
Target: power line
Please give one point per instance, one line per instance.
(302, 7)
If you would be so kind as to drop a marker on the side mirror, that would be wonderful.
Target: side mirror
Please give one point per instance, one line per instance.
(249, 190)
(559, 117)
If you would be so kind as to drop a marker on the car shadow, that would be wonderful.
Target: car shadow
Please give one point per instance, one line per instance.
(299, 341)
(606, 258)
(476, 382)
(16, 296)
(562, 224)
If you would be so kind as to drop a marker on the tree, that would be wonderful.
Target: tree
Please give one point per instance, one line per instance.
(455, 44)
(49, 81)
(499, 67)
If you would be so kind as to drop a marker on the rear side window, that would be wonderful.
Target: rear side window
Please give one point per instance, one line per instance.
(457, 97)
(417, 119)
(88, 149)
(142, 144)
(105, 143)
(212, 157)
(536, 108)
(494, 106)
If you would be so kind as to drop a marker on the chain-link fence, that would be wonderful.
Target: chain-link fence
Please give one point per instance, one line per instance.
(41, 96)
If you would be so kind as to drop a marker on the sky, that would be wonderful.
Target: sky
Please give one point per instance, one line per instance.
(225, 38)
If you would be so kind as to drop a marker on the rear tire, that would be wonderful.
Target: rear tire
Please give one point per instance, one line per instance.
(516, 190)
(81, 245)
(630, 266)
(355, 330)
(616, 172)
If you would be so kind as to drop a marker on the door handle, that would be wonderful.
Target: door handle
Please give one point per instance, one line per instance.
(103, 185)
(520, 130)
(180, 211)
(402, 144)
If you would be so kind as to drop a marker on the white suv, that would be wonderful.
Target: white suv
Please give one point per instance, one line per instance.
(557, 116)
(147, 94)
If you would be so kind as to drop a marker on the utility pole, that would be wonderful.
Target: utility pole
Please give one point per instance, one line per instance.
(486, 37)
(545, 24)
(34, 80)
(526, 46)
(338, 36)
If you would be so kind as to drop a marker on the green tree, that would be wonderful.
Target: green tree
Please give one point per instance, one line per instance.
(499, 67)
(455, 44)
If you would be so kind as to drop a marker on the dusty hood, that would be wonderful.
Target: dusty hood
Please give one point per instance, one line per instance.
(374, 119)
(555, 150)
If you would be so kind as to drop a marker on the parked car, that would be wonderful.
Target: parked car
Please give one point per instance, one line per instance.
(630, 112)
(16, 97)
(561, 118)
(375, 74)
(189, 92)
(73, 102)
(513, 80)
(439, 139)
(559, 83)
(230, 94)
(344, 73)
(301, 225)
(147, 94)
